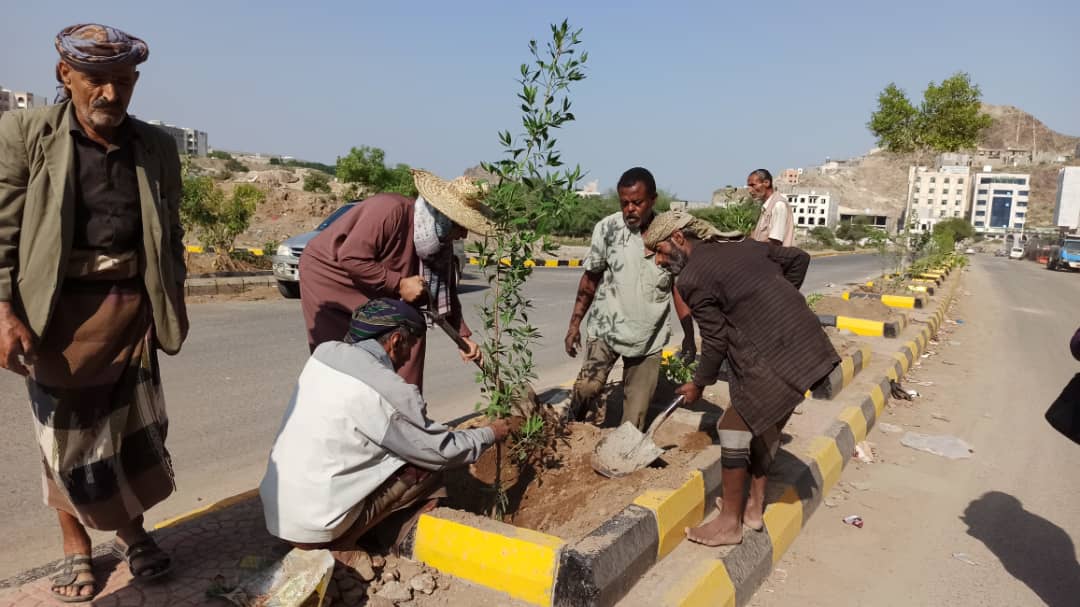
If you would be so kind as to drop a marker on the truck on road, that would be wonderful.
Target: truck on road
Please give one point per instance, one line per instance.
(1065, 255)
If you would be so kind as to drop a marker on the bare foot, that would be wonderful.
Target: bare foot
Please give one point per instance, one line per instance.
(754, 514)
(716, 532)
(83, 582)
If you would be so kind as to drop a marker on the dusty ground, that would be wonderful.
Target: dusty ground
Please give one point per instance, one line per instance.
(871, 309)
(569, 499)
(996, 529)
(252, 294)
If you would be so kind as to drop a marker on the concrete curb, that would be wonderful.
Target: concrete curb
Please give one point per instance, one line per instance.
(223, 286)
(865, 327)
(893, 301)
(732, 579)
(843, 374)
(198, 249)
(542, 263)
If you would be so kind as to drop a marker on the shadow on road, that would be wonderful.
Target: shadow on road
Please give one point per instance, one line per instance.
(1033, 550)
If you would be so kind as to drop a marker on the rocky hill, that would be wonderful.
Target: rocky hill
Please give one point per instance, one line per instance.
(879, 180)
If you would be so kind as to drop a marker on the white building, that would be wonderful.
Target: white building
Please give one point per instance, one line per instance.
(938, 194)
(20, 100)
(190, 142)
(1067, 206)
(813, 208)
(1000, 201)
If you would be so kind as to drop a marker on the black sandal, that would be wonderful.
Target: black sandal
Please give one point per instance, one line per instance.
(148, 555)
(68, 576)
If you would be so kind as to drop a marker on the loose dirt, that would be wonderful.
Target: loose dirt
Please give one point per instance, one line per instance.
(564, 496)
(251, 294)
(870, 309)
(844, 345)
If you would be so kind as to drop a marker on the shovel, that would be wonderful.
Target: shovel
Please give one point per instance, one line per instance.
(626, 449)
(453, 334)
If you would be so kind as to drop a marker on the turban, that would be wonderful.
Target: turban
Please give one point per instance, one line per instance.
(89, 46)
(665, 224)
(380, 316)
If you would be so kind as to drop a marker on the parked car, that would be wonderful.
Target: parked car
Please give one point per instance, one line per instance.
(286, 259)
(1016, 253)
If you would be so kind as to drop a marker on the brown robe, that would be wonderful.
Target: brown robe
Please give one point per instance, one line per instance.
(745, 298)
(361, 256)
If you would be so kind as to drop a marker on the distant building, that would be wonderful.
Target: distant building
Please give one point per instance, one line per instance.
(873, 218)
(20, 100)
(1002, 157)
(591, 190)
(190, 142)
(938, 194)
(1000, 202)
(1067, 206)
(813, 208)
(790, 177)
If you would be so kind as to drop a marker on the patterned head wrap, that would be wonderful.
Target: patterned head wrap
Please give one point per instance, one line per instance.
(665, 224)
(383, 315)
(89, 47)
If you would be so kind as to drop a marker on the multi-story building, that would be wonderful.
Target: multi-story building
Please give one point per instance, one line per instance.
(1067, 206)
(1000, 201)
(191, 142)
(813, 208)
(937, 194)
(790, 177)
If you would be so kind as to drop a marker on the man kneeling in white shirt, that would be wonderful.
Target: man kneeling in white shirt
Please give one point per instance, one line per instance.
(356, 444)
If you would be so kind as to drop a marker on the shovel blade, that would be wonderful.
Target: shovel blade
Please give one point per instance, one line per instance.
(624, 450)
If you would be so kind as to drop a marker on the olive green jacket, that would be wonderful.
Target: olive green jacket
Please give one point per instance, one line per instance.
(37, 216)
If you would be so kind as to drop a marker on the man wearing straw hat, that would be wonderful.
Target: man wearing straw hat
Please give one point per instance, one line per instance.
(91, 286)
(393, 246)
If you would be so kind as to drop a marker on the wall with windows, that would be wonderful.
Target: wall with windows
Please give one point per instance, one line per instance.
(938, 194)
(813, 208)
(999, 202)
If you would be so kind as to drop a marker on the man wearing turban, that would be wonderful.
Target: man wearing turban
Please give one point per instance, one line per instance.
(744, 295)
(91, 286)
(356, 444)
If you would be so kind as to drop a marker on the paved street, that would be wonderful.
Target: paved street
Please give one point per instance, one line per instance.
(997, 529)
(228, 388)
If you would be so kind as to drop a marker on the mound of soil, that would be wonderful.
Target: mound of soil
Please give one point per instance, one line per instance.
(562, 495)
(844, 346)
(870, 309)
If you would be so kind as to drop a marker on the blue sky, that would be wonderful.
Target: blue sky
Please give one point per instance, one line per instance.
(699, 92)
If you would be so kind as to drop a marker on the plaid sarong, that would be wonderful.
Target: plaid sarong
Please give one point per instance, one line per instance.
(95, 392)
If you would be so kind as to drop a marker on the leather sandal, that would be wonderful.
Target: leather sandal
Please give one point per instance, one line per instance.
(68, 576)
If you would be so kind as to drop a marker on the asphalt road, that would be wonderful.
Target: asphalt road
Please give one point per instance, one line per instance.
(997, 529)
(228, 388)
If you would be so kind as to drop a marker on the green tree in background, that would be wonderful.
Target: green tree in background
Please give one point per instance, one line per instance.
(951, 115)
(367, 165)
(894, 122)
(218, 219)
(956, 228)
(317, 181)
(949, 119)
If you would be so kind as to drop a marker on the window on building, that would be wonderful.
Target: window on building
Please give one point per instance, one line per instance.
(957, 202)
(944, 202)
(1003, 192)
(941, 213)
(980, 224)
(956, 213)
(981, 202)
(823, 211)
(802, 220)
(1020, 215)
(1018, 225)
(960, 180)
(984, 180)
(917, 189)
(946, 180)
(981, 191)
(931, 190)
(1021, 204)
(980, 213)
(1023, 192)
(945, 191)
(821, 221)
(933, 179)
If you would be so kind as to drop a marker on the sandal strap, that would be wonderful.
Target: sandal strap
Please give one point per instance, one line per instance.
(148, 553)
(70, 568)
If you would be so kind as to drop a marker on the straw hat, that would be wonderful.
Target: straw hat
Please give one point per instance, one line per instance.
(460, 199)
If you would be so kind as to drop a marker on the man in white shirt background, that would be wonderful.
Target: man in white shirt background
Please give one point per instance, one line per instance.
(776, 224)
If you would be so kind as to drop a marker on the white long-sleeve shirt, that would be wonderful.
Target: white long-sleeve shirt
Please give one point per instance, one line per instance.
(351, 423)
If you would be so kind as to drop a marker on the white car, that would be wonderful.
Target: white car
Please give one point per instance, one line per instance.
(1016, 253)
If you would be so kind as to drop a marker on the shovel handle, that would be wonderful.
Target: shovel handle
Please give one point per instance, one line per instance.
(663, 416)
(459, 341)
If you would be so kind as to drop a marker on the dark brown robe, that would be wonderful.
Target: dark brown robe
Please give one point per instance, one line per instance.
(745, 298)
(361, 256)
